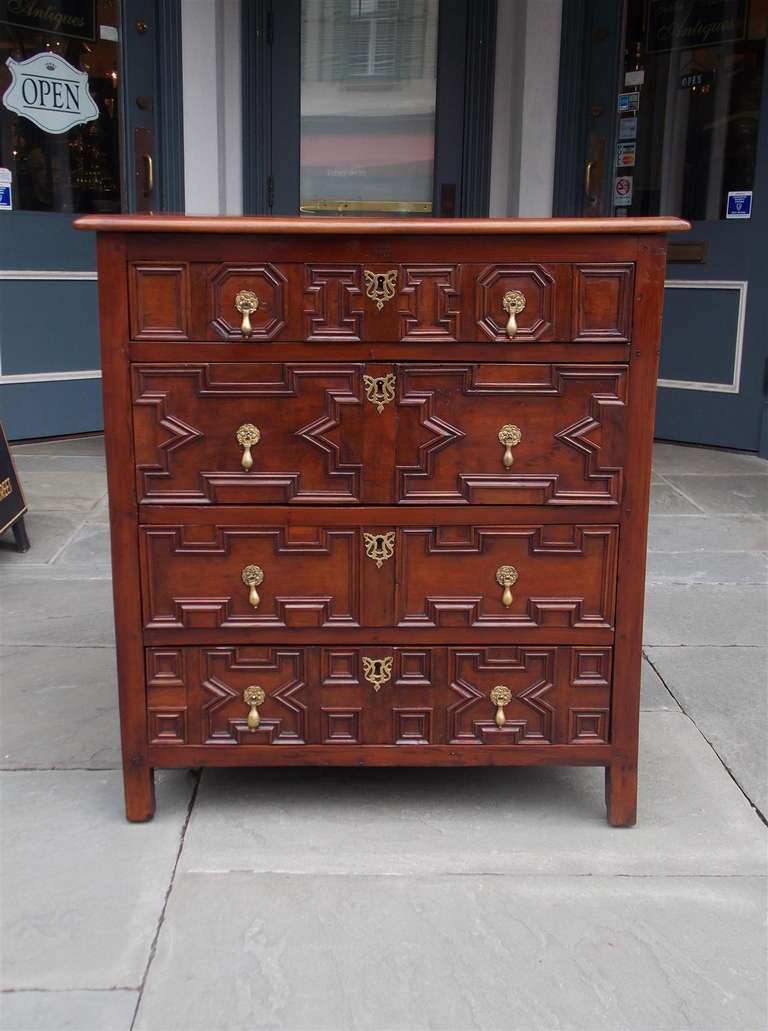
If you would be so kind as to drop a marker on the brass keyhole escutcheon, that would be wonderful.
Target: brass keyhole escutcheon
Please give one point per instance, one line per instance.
(248, 435)
(380, 286)
(253, 577)
(377, 671)
(500, 696)
(506, 577)
(380, 390)
(513, 303)
(379, 546)
(510, 436)
(254, 697)
(246, 303)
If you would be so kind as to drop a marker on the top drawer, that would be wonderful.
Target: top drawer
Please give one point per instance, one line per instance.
(503, 303)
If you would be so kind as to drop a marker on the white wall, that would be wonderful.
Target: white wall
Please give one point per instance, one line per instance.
(210, 41)
(525, 107)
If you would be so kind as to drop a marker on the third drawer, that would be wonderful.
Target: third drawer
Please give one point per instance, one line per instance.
(331, 575)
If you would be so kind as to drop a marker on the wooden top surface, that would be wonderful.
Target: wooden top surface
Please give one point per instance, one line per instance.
(318, 226)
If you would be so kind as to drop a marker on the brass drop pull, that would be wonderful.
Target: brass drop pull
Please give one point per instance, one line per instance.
(510, 436)
(500, 696)
(506, 577)
(253, 576)
(247, 436)
(254, 697)
(246, 303)
(513, 303)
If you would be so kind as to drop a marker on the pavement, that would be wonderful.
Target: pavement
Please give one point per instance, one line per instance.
(388, 899)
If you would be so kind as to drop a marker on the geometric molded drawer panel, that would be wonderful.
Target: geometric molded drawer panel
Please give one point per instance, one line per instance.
(195, 577)
(602, 303)
(301, 424)
(545, 701)
(566, 426)
(563, 577)
(159, 300)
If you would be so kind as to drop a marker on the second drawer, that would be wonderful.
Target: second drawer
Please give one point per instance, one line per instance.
(351, 433)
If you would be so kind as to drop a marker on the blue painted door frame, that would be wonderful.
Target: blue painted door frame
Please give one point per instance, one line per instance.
(50, 379)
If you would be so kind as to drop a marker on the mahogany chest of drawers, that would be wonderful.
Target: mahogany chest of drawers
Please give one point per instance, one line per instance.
(379, 490)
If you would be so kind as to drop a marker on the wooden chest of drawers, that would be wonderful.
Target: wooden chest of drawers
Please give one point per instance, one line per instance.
(379, 490)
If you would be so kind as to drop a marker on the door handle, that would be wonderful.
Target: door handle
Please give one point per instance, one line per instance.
(149, 174)
(588, 170)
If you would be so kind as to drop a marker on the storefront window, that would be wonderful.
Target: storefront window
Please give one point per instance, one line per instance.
(368, 96)
(52, 168)
(689, 106)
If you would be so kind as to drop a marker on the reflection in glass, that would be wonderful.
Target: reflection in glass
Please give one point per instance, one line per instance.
(77, 171)
(368, 90)
(699, 105)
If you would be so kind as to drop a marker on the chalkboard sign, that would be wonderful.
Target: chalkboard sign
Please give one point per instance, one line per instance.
(12, 504)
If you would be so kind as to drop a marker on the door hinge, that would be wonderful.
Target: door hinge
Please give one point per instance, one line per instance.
(765, 379)
(270, 28)
(270, 191)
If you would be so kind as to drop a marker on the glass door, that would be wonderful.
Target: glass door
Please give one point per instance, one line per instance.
(690, 118)
(368, 107)
(368, 100)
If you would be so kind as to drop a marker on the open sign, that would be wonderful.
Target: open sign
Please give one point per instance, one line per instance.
(50, 92)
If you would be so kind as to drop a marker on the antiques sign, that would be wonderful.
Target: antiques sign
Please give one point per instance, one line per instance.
(74, 18)
(50, 92)
(685, 24)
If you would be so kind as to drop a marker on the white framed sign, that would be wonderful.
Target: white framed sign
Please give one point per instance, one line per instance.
(50, 92)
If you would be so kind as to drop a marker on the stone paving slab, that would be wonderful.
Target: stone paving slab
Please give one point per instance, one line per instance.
(708, 534)
(653, 693)
(676, 458)
(64, 491)
(48, 532)
(692, 818)
(667, 500)
(88, 547)
(90, 445)
(684, 567)
(267, 951)
(705, 614)
(67, 1011)
(37, 612)
(82, 890)
(724, 691)
(735, 495)
(59, 708)
(30, 465)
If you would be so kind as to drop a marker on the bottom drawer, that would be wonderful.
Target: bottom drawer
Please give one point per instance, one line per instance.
(230, 697)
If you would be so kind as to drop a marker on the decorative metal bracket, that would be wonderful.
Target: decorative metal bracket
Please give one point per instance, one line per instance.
(379, 546)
